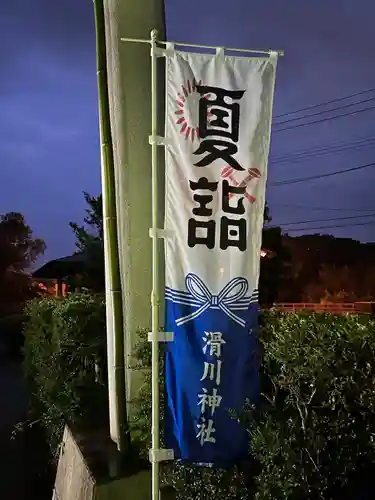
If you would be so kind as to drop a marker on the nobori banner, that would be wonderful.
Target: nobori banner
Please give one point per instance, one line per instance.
(218, 120)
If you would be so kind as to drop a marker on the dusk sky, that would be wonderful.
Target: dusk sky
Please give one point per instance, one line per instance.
(49, 146)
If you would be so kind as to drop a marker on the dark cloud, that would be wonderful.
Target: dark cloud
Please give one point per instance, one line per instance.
(62, 29)
(49, 149)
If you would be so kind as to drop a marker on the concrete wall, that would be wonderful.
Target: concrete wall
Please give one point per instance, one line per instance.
(73, 478)
(76, 481)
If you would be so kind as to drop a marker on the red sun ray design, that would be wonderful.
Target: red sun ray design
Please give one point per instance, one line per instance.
(187, 113)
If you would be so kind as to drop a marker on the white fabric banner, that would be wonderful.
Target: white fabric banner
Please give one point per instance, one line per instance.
(218, 120)
(256, 78)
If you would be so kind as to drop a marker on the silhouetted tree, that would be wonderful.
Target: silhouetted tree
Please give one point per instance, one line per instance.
(327, 268)
(274, 268)
(19, 249)
(89, 241)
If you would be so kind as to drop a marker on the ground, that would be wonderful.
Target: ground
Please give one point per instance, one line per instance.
(22, 471)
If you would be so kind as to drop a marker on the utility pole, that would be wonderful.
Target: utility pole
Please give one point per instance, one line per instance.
(129, 74)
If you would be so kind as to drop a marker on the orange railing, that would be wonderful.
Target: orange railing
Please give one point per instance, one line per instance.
(334, 308)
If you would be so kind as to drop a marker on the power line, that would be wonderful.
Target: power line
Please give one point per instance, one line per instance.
(308, 207)
(321, 176)
(318, 113)
(316, 152)
(324, 220)
(324, 119)
(370, 223)
(334, 145)
(325, 103)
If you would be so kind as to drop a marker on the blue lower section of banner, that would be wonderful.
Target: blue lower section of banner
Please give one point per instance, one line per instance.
(212, 367)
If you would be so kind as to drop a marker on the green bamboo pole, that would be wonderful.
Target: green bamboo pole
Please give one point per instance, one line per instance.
(110, 226)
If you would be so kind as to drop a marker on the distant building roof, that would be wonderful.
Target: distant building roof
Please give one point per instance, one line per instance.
(63, 267)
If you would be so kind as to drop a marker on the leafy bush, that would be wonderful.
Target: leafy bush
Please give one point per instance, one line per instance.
(64, 347)
(313, 433)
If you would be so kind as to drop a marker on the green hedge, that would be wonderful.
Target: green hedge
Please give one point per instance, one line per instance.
(64, 361)
(312, 434)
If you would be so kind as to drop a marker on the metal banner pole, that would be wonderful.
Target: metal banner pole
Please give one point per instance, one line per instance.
(156, 454)
(154, 293)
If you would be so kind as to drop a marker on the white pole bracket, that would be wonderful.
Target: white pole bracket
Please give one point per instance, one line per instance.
(162, 336)
(160, 233)
(161, 455)
(157, 139)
